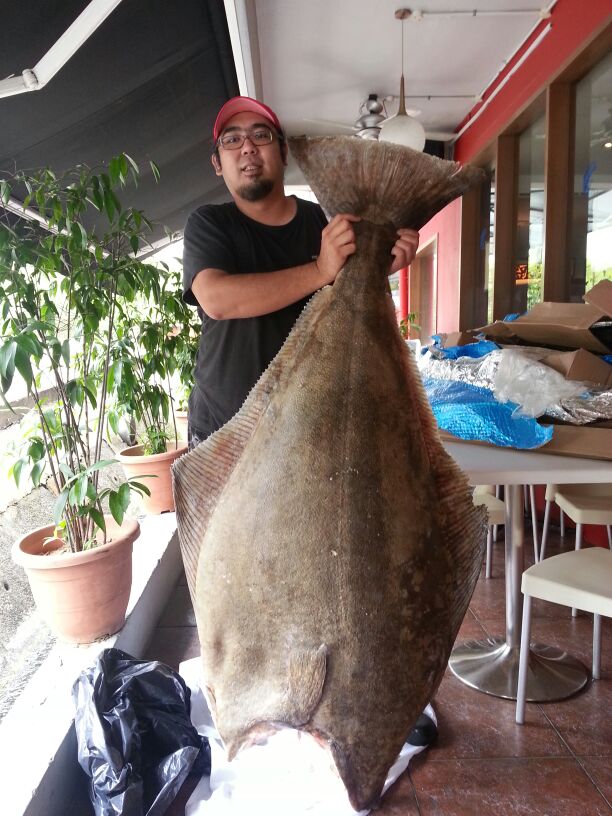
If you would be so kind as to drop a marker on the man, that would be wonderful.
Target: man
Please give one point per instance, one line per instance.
(251, 265)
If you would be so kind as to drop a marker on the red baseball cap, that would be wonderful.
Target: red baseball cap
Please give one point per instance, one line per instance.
(243, 104)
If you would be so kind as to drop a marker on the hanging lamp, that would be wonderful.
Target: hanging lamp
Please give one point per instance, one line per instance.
(403, 129)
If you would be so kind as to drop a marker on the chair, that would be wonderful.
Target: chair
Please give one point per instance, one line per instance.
(485, 494)
(580, 578)
(583, 504)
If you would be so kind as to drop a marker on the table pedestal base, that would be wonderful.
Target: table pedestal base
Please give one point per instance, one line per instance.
(491, 666)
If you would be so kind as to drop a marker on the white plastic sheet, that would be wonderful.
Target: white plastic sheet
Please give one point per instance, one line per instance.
(288, 774)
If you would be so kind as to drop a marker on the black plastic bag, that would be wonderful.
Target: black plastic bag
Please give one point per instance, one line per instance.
(135, 739)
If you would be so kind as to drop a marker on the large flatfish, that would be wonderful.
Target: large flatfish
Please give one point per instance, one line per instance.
(330, 544)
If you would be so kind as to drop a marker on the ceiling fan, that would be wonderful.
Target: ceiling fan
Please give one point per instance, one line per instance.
(372, 113)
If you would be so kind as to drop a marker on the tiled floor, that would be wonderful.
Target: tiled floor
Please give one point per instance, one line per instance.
(558, 764)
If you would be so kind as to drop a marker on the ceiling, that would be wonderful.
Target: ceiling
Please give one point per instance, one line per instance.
(151, 78)
(149, 81)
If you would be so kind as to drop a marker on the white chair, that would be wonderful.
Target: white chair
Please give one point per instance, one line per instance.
(580, 578)
(583, 504)
(485, 494)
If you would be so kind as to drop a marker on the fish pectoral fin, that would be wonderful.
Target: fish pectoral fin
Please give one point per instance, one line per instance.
(307, 670)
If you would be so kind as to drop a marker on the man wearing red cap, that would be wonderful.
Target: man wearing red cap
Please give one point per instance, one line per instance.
(251, 265)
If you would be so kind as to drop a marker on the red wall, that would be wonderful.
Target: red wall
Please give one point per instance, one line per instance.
(573, 22)
(446, 226)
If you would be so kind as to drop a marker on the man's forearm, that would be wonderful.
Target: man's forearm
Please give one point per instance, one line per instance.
(224, 296)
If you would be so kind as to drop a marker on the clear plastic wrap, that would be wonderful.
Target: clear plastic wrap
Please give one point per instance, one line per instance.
(533, 386)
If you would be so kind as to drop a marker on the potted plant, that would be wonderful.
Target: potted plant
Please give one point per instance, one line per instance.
(185, 362)
(407, 323)
(62, 280)
(153, 330)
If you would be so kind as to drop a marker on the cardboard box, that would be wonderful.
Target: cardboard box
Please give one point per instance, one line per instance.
(462, 338)
(582, 366)
(563, 325)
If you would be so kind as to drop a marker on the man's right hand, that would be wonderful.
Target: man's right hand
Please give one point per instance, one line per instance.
(337, 244)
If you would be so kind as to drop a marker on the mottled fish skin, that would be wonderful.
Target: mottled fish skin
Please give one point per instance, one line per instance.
(330, 543)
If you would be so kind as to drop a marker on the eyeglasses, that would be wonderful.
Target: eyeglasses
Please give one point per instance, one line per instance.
(234, 140)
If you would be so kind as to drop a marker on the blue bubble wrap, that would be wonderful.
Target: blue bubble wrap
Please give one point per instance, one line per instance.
(471, 412)
(479, 349)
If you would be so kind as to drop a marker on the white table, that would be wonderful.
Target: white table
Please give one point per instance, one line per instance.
(491, 665)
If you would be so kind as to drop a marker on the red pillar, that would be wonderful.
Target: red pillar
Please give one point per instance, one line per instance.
(403, 293)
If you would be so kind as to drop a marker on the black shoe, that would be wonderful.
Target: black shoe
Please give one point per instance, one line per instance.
(424, 733)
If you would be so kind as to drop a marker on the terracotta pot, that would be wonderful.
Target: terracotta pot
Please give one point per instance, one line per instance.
(136, 465)
(82, 596)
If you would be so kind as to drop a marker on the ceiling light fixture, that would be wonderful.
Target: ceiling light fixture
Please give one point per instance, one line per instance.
(403, 129)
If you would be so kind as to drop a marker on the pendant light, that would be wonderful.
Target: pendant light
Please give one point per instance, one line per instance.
(403, 129)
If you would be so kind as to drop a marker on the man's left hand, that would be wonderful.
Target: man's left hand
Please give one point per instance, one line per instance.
(405, 249)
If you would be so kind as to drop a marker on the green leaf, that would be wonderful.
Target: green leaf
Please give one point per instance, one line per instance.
(5, 191)
(84, 237)
(7, 359)
(75, 392)
(66, 472)
(37, 472)
(98, 199)
(134, 243)
(123, 167)
(91, 395)
(66, 351)
(80, 489)
(124, 495)
(114, 170)
(59, 506)
(17, 469)
(132, 162)
(155, 170)
(109, 205)
(140, 487)
(36, 451)
(102, 463)
(116, 506)
(98, 518)
(24, 367)
(114, 376)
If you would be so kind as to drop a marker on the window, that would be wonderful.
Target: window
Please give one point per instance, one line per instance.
(530, 218)
(591, 245)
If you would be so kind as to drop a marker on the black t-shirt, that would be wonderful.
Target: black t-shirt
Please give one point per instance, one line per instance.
(233, 353)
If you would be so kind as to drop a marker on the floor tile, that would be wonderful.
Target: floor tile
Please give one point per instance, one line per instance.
(473, 724)
(505, 787)
(399, 800)
(600, 771)
(585, 721)
(470, 628)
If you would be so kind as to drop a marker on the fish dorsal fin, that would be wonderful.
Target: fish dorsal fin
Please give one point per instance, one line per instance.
(199, 477)
(379, 181)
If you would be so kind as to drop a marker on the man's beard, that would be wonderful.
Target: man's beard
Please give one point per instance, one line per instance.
(256, 190)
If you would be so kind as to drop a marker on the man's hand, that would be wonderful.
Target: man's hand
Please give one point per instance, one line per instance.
(405, 249)
(337, 243)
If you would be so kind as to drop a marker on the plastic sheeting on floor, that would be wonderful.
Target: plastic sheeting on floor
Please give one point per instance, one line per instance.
(288, 774)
